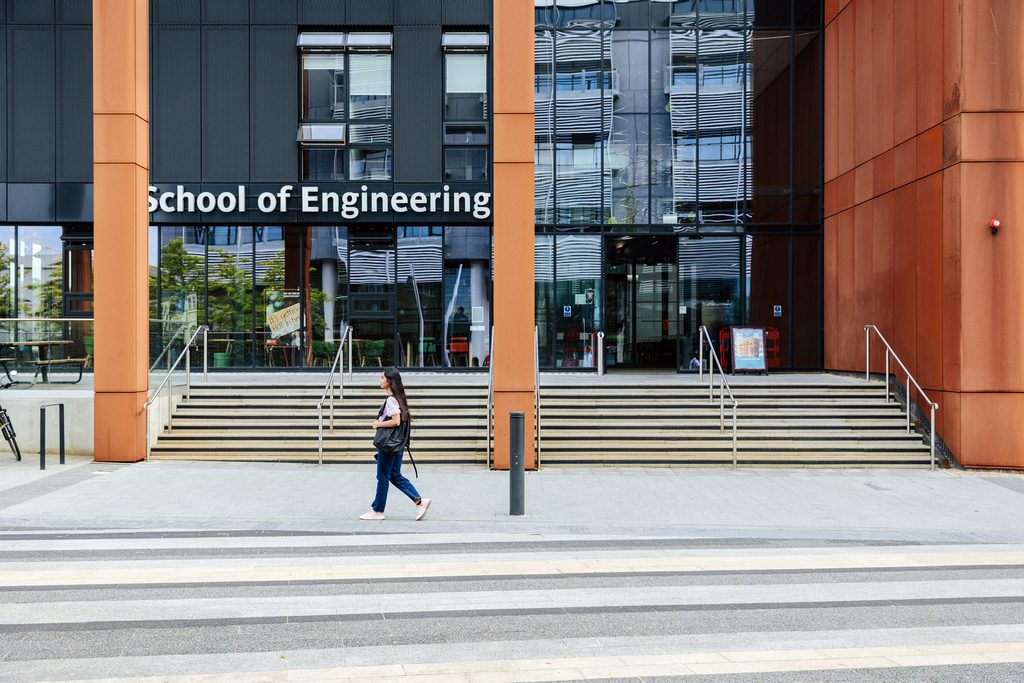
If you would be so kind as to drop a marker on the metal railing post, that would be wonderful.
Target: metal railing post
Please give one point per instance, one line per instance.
(867, 353)
(350, 353)
(600, 353)
(536, 388)
(908, 403)
(887, 377)
(700, 372)
(490, 403)
(933, 436)
(734, 435)
(206, 354)
(42, 437)
(188, 373)
(320, 411)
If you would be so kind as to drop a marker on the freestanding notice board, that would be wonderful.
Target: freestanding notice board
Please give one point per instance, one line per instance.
(748, 349)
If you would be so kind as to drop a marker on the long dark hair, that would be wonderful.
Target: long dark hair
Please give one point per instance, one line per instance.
(398, 391)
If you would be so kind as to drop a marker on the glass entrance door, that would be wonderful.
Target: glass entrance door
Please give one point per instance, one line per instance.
(642, 305)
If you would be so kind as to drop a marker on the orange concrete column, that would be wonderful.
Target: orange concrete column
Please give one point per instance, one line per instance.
(513, 352)
(121, 175)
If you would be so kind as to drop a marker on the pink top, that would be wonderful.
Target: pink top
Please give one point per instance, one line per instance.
(390, 408)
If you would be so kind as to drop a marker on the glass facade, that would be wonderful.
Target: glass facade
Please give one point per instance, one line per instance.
(682, 141)
(283, 296)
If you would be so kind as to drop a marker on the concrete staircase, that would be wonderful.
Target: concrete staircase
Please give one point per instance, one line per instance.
(587, 421)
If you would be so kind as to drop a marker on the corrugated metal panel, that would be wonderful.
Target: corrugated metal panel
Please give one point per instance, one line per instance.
(32, 116)
(371, 12)
(274, 11)
(314, 12)
(175, 12)
(74, 11)
(175, 155)
(418, 13)
(418, 101)
(226, 12)
(226, 103)
(30, 11)
(74, 108)
(466, 12)
(274, 92)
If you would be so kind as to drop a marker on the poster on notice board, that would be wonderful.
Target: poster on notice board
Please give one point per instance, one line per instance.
(748, 349)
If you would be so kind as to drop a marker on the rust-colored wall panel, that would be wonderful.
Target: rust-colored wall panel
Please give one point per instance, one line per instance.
(846, 290)
(991, 430)
(513, 57)
(504, 403)
(883, 174)
(883, 100)
(904, 64)
(831, 291)
(513, 139)
(120, 426)
(904, 284)
(863, 276)
(831, 102)
(993, 76)
(947, 419)
(847, 74)
(120, 139)
(929, 151)
(952, 56)
(881, 261)
(863, 182)
(992, 270)
(951, 140)
(905, 163)
(952, 350)
(114, 56)
(928, 253)
(991, 136)
(929, 61)
(865, 118)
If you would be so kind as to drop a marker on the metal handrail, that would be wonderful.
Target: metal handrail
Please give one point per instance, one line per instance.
(329, 389)
(910, 380)
(723, 387)
(490, 402)
(536, 388)
(188, 382)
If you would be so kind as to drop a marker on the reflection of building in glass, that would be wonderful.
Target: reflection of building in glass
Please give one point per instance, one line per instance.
(708, 92)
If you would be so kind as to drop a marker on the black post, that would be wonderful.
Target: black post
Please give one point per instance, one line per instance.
(60, 416)
(516, 465)
(42, 437)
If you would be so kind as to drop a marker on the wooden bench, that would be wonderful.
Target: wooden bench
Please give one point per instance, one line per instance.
(44, 365)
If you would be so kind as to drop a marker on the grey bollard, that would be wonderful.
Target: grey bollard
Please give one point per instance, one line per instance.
(516, 465)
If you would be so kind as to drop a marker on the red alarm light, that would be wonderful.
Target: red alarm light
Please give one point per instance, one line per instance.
(995, 224)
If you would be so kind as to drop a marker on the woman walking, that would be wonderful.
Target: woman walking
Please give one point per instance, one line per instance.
(392, 414)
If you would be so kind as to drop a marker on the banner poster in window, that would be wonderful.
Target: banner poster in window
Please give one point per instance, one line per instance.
(282, 319)
(748, 349)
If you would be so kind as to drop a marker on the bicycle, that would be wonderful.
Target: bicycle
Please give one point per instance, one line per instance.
(6, 426)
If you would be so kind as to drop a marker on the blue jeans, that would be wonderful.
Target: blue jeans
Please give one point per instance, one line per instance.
(389, 471)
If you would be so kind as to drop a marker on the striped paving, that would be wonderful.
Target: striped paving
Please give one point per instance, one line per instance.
(193, 606)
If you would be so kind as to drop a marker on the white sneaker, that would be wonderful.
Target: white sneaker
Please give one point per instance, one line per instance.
(421, 509)
(372, 514)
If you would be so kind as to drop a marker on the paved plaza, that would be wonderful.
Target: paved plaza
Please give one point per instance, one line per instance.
(260, 571)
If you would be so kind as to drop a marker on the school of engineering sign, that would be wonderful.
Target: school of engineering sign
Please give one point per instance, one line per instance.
(309, 199)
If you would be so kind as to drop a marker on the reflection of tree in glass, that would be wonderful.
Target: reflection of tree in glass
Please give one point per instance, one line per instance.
(180, 271)
(48, 295)
(230, 291)
(6, 294)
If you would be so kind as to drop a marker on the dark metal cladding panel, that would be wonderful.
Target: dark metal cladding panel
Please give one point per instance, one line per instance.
(31, 202)
(467, 12)
(176, 131)
(418, 13)
(30, 11)
(373, 12)
(274, 11)
(74, 202)
(3, 201)
(74, 104)
(226, 103)
(226, 12)
(4, 130)
(418, 101)
(32, 116)
(321, 12)
(275, 117)
(74, 11)
(176, 11)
